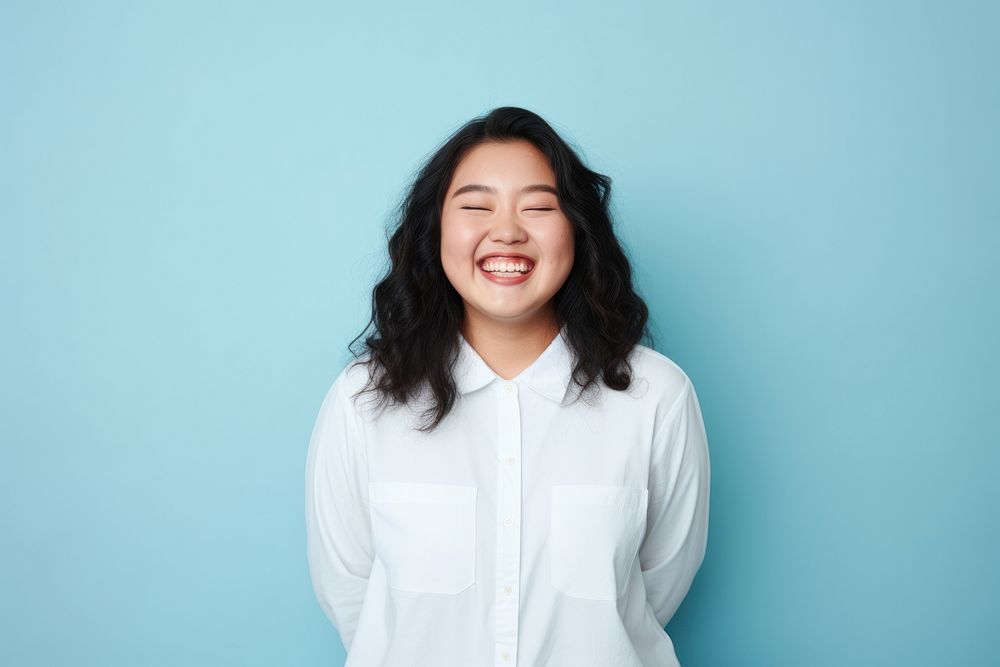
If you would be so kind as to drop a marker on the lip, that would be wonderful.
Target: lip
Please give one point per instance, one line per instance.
(512, 255)
(506, 280)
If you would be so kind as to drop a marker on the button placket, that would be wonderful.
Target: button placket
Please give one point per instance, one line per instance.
(508, 526)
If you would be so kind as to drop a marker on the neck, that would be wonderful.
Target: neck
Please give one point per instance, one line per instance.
(509, 347)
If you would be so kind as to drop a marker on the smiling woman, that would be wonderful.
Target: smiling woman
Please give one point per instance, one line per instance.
(518, 524)
(510, 232)
(505, 184)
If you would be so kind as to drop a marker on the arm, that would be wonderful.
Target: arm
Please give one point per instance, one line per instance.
(338, 530)
(677, 520)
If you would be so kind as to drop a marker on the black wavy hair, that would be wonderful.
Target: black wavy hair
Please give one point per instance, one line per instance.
(417, 313)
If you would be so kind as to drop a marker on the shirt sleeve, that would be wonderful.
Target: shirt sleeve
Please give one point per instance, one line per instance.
(338, 528)
(677, 520)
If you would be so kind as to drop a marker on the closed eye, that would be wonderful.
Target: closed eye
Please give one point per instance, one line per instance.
(479, 208)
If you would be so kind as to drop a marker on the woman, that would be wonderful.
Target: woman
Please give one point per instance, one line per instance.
(551, 508)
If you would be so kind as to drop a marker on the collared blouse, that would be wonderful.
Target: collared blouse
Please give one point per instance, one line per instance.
(529, 529)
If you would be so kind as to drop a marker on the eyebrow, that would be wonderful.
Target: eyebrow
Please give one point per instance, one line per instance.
(476, 187)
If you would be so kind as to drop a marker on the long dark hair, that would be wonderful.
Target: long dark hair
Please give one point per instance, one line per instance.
(417, 313)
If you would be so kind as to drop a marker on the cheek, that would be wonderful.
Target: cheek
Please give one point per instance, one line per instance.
(458, 247)
(558, 247)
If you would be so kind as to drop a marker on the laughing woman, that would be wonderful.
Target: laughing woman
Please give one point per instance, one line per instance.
(506, 475)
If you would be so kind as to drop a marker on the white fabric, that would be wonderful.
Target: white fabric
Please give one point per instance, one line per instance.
(526, 530)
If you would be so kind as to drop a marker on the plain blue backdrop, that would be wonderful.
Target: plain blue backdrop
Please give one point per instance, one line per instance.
(193, 200)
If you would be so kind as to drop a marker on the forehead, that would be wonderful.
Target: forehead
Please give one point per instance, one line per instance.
(503, 163)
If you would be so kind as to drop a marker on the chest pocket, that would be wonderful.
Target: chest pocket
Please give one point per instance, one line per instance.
(595, 533)
(425, 535)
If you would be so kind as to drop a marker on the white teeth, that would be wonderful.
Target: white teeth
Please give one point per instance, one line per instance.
(505, 267)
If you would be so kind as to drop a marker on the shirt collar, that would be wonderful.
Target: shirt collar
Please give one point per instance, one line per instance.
(549, 374)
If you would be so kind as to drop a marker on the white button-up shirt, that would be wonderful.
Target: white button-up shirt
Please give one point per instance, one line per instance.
(526, 530)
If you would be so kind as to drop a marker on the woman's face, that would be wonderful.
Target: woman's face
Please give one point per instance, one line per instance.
(502, 201)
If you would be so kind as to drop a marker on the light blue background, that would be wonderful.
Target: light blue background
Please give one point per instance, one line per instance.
(193, 199)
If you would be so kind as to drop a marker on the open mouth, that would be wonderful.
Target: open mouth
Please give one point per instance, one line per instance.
(506, 267)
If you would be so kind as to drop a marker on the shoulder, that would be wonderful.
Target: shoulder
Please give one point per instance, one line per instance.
(353, 376)
(663, 380)
(348, 381)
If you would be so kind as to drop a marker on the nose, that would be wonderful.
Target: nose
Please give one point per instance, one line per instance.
(507, 227)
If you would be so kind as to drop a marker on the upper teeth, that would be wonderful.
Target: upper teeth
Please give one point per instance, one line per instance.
(492, 265)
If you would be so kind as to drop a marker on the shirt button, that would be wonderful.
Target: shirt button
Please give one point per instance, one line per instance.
(508, 388)
(505, 656)
(509, 460)
(508, 522)
(508, 590)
